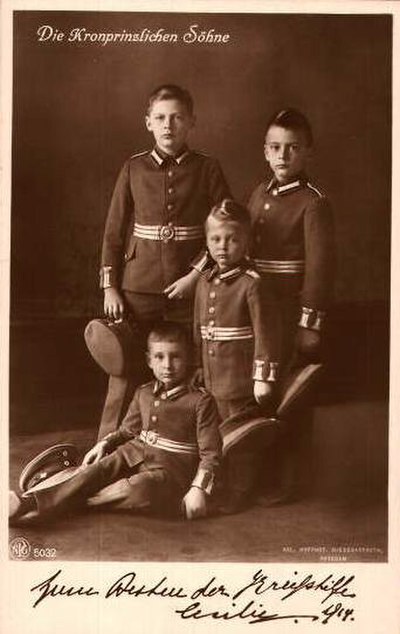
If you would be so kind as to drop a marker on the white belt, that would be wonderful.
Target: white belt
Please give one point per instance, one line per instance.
(168, 232)
(152, 438)
(213, 333)
(279, 266)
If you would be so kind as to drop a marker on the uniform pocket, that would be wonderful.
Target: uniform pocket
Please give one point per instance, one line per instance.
(130, 252)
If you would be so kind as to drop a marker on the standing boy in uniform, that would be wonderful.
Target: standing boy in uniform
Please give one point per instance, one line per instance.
(293, 249)
(163, 457)
(232, 336)
(155, 224)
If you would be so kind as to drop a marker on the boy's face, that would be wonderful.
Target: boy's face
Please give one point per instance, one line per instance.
(227, 242)
(287, 153)
(170, 123)
(169, 361)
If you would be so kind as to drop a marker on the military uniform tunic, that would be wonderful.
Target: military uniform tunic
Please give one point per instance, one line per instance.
(155, 221)
(231, 331)
(167, 442)
(293, 250)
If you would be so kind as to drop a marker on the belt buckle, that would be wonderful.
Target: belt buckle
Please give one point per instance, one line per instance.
(167, 233)
(151, 437)
(210, 333)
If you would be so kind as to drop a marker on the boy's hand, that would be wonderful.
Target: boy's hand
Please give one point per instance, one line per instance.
(308, 344)
(183, 287)
(95, 453)
(194, 503)
(113, 303)
(262, 391)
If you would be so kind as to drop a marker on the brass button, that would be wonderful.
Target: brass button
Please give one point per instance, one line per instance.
(154, 418)
(211, 310)
(170, 206)
(211, 353)
(156, 403)
(170, 173)
(267, 205)
(217, 281)
(213, 295)
(261, 221)
(170, 190)
(211, 322)
(163, 396)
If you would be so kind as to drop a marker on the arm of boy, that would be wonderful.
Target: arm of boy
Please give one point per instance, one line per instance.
(95, 453)
(119, 218)
(183, 287)
(318, 276)
(264, 372)
(194, 503)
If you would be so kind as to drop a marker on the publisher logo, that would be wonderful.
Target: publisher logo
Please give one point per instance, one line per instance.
(20, 548)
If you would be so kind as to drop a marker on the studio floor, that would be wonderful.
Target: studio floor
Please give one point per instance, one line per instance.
(343, 518)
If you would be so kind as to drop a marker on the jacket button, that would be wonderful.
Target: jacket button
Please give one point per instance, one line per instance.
(154, 418)
(156, 403)
(211, 322)
(170, 173)
(170, 190)
(126, 257)
(170, 206)
(213, 295)
(267, 206)
(211, 353)
(217, 282)
(211, 310)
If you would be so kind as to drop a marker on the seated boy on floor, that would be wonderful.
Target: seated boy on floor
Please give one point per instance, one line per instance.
(162, 458)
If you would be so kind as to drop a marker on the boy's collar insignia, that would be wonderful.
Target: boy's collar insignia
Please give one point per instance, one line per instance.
(171, 394)
(160, 157)
(279, 190)
(226, 276)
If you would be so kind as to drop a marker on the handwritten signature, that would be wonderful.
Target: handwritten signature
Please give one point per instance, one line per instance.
(242, 603)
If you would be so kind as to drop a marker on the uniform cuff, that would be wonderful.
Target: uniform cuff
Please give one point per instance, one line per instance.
(265, 370)
(107, 277)
(311, 319)
(202, 263)
(204, 480)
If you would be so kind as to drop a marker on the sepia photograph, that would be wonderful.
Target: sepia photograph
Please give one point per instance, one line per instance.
(199, 302)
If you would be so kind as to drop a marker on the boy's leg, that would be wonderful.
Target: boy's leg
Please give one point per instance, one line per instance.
(146, 309)
(145, 491)
(240, 467)
(73, 492)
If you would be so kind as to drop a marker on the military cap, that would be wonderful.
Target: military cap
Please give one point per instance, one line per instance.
(297, 388)
(52, 465)
(112, 344)
(248, 421)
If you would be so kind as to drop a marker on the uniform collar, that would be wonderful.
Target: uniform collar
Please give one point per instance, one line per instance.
(161, 157)
(279, 190)
(230, 274)
(172, 394)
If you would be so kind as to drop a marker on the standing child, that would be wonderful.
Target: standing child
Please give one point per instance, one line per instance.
(154, 226)
(293, 249)
(231, 333)
(163, 457)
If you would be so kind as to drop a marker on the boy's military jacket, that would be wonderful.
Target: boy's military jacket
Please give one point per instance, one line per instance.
(154, 227)
(293, 242)
(231, 332)
(174, 429)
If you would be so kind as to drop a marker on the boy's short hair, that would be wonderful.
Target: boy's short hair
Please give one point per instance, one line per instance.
(171, 332)
(171, 91)
(230, 211)
(292, 119)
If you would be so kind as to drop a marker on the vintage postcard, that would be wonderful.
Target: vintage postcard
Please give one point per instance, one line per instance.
(123, 125)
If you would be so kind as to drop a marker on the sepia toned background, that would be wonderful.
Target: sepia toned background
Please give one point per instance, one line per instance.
(78, 113)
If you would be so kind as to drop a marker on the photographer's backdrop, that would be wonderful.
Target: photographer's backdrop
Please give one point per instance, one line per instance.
(78, 113)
